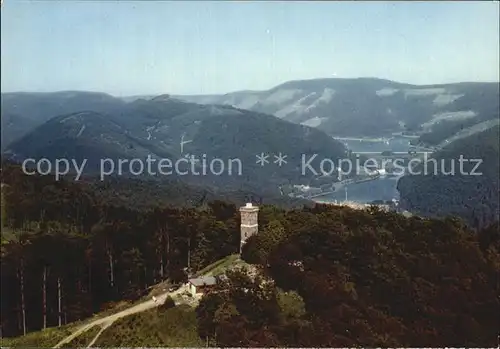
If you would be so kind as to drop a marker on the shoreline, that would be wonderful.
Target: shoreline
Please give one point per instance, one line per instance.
(316, 196)
(375, 139)
(340, 185)
(353, 204)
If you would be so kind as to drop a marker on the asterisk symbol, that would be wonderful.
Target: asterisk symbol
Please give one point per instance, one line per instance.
(262, 159)
(280, 159)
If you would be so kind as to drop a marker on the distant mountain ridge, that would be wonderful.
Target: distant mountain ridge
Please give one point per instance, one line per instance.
(362, 107)
(240, 124)
(366, 106)
(24, 111)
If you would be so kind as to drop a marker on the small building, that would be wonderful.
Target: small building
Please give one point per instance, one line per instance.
(199, 285)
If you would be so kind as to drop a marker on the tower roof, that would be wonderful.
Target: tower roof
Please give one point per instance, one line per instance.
(249, 207)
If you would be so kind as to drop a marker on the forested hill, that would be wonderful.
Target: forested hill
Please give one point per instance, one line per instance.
(363, 279)
(357, 278)
(24, 111)
(472, 197)
(221, 142)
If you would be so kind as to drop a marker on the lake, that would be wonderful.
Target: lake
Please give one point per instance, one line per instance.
(395, 144)
(383, 188)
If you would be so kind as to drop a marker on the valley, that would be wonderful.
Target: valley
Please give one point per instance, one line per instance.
(176, 128)
(380, 183)
(179, 131)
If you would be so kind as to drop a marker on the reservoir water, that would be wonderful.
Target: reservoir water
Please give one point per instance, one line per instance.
(383, 188)
(394, 144)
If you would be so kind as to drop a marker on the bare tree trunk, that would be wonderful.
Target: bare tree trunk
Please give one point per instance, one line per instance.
(19, 319)
(112, 273)
(44, 301)
(168, 251)
(90, 277)
(162, 270)
(23, 305)
(59, 298)
(162, 253)
(189, 256)
(42, 216)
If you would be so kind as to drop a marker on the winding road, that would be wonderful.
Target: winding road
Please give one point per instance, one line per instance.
(107, 321)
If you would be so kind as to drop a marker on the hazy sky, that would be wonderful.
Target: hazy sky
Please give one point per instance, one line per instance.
(149, 47)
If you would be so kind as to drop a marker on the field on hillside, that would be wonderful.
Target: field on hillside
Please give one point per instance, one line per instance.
(174, 327)
(40, 339)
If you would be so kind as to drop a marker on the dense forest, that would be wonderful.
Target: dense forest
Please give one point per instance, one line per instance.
(67, 251)
(357, 278)
(471, 193)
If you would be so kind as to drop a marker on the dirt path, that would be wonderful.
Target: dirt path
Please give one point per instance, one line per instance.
(107, 321)
(103, 328)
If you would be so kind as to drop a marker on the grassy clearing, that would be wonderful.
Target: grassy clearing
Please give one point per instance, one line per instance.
(159, 289)
(174, 327)
(84, 339)
(156, 290)
(221, 265)
(41, 339)
(51, 336)
(115, 308)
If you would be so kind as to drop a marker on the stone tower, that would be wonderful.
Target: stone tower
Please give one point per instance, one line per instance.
(249, 222)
